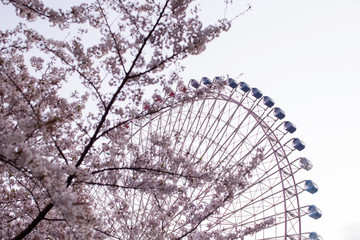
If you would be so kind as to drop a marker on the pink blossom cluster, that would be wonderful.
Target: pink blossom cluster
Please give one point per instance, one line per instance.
(70, 107)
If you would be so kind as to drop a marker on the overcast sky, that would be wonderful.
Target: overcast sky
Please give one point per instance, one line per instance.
(306, 56)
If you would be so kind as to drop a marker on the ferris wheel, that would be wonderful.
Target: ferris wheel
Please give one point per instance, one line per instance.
(211, 160)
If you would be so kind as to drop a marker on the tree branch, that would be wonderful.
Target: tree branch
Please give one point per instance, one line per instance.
(142, 169)
(107, 234)
(79, 72)
(204, 218)
(112, 36)
(60, 151)
(156, 66)
(107, 109)
(43, 213)
(20, 90)
(30, 8)
(128, 121)
(35, 222)
(147, 38)
(111, 185)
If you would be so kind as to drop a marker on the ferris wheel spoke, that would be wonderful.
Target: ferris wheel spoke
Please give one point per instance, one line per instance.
(260, 200)
(264, 135)
(206, 122)
(183, 125)
(187, 128)
(215, 124)
(203, 123)
(231, 152)
(235, 150)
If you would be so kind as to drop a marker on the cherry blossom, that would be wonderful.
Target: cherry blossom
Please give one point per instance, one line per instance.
(59, 151)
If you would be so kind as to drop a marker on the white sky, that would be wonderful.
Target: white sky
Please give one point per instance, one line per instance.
(306, 56)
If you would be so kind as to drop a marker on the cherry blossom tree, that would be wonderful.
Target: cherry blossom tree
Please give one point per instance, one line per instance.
(59, 151)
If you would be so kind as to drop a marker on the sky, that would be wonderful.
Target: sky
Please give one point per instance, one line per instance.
(306, 56)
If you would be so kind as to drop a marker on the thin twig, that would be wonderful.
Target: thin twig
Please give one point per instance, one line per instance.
(116, 44)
